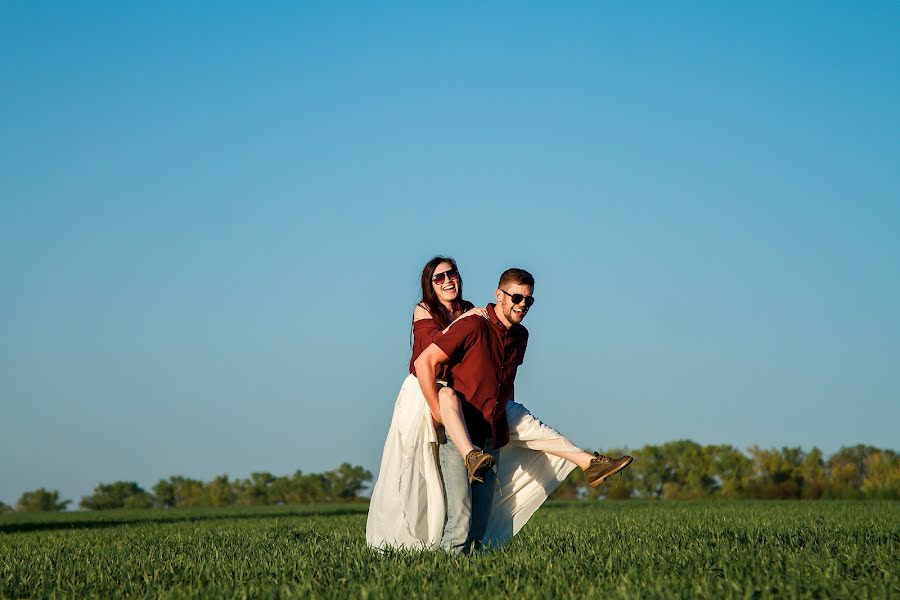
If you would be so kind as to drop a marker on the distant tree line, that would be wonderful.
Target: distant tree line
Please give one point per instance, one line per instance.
(686, 470)
(39, 500)
(676, 470)
(341, 484)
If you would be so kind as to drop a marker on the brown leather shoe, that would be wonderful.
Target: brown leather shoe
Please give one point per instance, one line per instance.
(602, 467)
(477, 464)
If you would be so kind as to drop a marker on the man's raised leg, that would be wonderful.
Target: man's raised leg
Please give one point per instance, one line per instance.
(457, 496)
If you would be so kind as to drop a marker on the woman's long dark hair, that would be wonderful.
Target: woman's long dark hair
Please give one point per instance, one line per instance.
(442, 317)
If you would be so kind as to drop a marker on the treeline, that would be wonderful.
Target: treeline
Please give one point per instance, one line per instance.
(687, 470)
(341, 484)
(675, 470)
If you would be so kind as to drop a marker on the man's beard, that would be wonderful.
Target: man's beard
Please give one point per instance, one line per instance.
(514, 317)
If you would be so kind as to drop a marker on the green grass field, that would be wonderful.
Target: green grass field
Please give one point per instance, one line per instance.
(610, 550)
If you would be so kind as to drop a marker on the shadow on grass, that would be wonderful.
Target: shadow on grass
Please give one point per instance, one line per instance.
(98, 520)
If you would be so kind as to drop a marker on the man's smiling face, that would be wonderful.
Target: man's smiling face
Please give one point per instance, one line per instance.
(514, 312)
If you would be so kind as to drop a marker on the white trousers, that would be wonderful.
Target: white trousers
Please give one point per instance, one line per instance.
(407, 504)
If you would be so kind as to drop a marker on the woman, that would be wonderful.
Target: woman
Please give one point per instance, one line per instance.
(407, 505)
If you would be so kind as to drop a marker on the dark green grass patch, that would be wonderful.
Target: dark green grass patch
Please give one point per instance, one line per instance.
(609, 550)
(17, 522)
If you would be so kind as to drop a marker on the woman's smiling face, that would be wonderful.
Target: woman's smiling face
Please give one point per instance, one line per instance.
(445, 282)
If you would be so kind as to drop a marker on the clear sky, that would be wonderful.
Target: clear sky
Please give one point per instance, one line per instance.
(213, 217)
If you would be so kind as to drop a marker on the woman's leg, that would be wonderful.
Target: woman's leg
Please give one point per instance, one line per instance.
(580, 458)
(528, 431)
(454, 423)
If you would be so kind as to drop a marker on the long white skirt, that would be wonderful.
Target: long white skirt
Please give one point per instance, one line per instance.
(407, 505)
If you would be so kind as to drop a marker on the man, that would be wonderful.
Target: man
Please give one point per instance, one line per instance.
(484, 356)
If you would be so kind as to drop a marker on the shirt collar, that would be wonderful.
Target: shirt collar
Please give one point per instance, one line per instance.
(496, 322)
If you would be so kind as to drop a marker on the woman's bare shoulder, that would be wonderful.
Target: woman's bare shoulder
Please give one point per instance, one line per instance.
(420, 313)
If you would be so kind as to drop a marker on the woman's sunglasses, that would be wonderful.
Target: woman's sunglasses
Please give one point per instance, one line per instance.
(451, 274)
(516, 298)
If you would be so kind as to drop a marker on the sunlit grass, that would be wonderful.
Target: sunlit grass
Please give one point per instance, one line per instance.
(609, 550)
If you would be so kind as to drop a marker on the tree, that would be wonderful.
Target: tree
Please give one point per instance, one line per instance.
(189, 492)
(179, 492)
(306, 488)
(255, 490)
(220, 492)
(164, 492)
(652, 471)
(5, 508)
(812, 472)
(679, 469)
(882, 470)
(119, 494)
(776, 473)
(347, 481)
(847, 470)
(692, 471)
(281, 491)
(41, 500)
(731, 468)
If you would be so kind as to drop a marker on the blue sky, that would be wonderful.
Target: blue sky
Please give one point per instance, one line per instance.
(214, 216)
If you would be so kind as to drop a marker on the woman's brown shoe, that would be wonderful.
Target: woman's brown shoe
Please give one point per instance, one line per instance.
(602, 467)
(477, 464)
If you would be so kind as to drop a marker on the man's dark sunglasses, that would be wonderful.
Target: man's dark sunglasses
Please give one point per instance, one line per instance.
(451, 274)
(516, 298)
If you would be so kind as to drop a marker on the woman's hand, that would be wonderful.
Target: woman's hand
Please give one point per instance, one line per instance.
(478, 310)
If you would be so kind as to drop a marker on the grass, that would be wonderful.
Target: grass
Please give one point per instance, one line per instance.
(610, 550)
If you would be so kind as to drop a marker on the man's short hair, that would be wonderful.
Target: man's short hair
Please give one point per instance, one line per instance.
(515, 276)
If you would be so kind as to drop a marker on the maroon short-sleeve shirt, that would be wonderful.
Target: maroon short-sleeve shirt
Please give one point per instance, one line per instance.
(425, 331)
(484, 358)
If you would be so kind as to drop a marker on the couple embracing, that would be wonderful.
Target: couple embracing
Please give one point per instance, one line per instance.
(464, 465)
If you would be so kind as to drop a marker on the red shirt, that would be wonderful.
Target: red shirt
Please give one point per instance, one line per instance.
(425, 331)
(484, 358)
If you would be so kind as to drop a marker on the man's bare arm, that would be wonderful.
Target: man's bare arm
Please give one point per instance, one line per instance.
(426, 369)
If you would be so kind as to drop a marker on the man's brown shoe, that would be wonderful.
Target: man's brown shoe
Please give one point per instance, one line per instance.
(477, 464)
(602, 467)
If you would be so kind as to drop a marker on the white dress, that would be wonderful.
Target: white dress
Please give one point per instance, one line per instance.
(407, 505)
